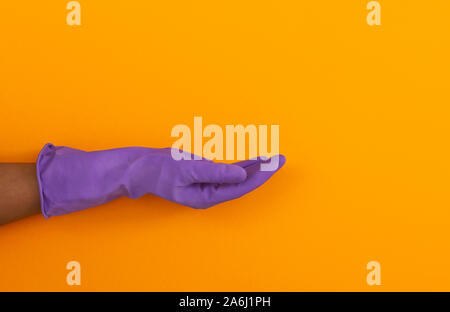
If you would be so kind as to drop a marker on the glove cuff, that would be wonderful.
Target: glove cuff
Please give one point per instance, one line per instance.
(45, 156)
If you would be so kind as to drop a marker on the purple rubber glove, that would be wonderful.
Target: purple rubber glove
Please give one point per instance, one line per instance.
(72, 180)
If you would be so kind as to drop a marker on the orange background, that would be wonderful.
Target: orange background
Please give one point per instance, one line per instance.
(364, 123)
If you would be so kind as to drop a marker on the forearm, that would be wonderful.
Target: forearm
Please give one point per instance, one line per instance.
(65, 180)
(19, 192)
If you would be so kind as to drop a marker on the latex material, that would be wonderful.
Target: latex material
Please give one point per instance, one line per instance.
(72, 180)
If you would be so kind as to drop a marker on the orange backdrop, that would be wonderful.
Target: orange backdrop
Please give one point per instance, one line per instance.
(364, 123)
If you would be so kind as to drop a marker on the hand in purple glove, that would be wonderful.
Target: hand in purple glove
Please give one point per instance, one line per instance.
(72, 180)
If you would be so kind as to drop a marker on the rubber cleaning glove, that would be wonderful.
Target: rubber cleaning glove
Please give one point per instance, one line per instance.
(72, 180)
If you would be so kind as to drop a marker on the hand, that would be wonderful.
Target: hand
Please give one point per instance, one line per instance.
(71, 180)
(196, 183)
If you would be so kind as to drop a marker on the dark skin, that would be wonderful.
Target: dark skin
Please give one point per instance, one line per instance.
(19, 192)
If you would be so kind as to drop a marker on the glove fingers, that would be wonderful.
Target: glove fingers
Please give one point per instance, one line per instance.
(246, 163)
(253, 181)
(216, 173)
(251, 165)
(184, 155)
